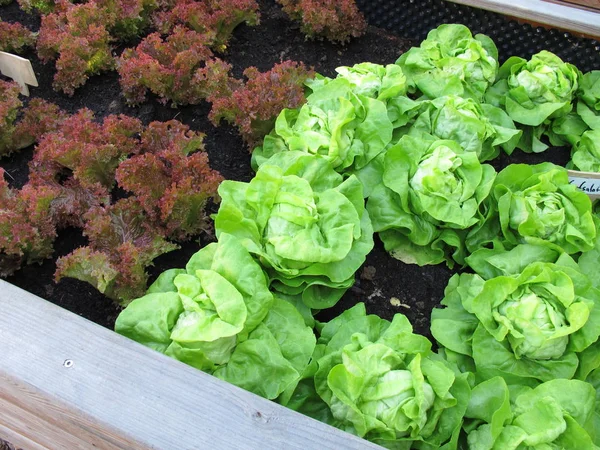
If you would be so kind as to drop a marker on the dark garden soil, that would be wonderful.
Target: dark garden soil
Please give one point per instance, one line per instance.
(386, 286)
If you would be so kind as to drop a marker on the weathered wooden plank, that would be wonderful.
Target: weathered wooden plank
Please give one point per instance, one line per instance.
(558, 15)
(68, 383)
(594, 4)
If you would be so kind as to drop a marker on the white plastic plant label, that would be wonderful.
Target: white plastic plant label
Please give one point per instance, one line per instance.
(588, 182)
(19, 69)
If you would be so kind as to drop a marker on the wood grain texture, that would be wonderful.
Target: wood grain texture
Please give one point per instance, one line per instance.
(562, 15)
(118, 394)
(593, 4)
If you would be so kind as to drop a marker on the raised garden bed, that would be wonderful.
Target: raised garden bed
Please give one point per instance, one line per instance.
(386, 285)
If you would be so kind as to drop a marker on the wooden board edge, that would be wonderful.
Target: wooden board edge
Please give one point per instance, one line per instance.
(584, 4)
(563, 16)
(67, 371)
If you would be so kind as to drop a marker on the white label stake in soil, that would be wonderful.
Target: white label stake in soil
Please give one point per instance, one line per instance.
(19, 69)
(588, 182)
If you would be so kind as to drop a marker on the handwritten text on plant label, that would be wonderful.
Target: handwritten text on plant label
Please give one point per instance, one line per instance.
(588, 182)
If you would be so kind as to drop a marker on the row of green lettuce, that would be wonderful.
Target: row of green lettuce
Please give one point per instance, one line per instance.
(399, 150)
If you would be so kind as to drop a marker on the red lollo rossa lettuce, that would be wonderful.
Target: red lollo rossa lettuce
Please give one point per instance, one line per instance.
(9, 109)
(80, 36)
(15, 38)
(214, 18)
(182, 181)
(253, 106)
(335, 20)
(86, 150)
(180, 68)
(166, 182)
(38, 117)
(122, 243)
(27, 230)
(76, 36)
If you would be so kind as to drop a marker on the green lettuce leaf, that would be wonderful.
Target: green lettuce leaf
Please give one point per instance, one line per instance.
(586, 153)
(368, 79)
(535, 90)
(556, 414)
(539, 94)
(479, 128)
(588, 95)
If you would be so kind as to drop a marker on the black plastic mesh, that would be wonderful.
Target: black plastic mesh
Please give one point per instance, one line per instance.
(413, 19)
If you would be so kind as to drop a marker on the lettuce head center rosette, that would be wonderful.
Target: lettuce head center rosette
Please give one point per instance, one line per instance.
(219, 316)
(213, 307)
(535, 326)
(323, 234)
(528, 314)
(539, 315)
(480, 128)
(537, 80)
(346, 128)
(535, 91)
(436, 176)
(381, 381)
(399, 399)
(374, 80)
(556, 414)
(546, 205)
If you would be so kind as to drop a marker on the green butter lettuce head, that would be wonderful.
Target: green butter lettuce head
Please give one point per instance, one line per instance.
(198, 315)
(307, 227)
(556, 414)
(381, 382)
(479, 128)
(535, 204)
(347, 129)
(536, 90)
(588, 95)
(368, 79)
(451, 62)
(586, 153)
(527, 324)
(218, 315)
(375, 80)
(430, 194)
